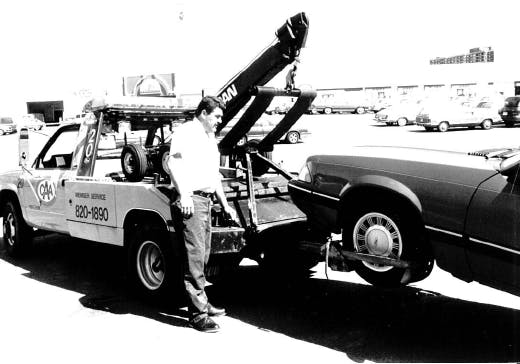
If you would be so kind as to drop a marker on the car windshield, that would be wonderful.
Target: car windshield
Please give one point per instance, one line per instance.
(486, 105)
(6, 121)
(512, 101)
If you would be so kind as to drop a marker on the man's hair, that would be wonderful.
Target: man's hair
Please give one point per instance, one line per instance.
(209, 103)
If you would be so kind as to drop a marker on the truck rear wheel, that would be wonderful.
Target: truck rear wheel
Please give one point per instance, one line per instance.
(153, 270)
(17, 234)
(134, 162)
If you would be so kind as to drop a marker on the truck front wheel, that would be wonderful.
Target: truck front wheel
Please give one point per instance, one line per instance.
(17, 234)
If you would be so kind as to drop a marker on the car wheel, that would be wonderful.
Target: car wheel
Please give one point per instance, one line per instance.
(17, 234)
(443, 126)
(428, 128)
(360, 110)
(389, 124)
(134, 162)
(164, 154)
(486, 124)
(292, 137)
(327, 110)
(509, 124)
(242, 141)
(153, 269)
(402, 121)
(382, 231)
(2, 132)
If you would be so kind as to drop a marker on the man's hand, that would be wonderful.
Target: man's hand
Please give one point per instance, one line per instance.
(186, 206)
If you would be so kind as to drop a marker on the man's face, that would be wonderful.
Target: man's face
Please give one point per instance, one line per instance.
(214, 118)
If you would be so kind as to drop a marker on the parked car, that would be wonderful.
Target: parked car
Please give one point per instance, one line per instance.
(263, 126)
(401, 114)
(7, 125)
(510, 111)
(354, 105)
(404, 208)
(30, 122)
(453, 115)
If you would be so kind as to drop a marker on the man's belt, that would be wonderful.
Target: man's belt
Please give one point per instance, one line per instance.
(204, 194)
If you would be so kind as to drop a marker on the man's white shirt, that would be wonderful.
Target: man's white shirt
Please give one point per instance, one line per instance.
(197, 158)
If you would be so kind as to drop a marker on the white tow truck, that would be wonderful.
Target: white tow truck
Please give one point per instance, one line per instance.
(84, 185)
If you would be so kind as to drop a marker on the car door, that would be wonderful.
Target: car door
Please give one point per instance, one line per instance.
(42, 186)
(493, 231)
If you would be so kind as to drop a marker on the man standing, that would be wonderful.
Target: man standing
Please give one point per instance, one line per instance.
(194, 170)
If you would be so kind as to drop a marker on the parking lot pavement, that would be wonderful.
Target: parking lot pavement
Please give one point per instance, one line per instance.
(68, 303)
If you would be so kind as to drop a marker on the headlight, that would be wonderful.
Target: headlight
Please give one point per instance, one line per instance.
(305, 174)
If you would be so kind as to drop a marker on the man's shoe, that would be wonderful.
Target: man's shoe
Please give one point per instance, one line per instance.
(205, 324)
(215, 311)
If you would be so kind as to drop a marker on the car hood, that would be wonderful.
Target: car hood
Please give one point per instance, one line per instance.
(455, 167)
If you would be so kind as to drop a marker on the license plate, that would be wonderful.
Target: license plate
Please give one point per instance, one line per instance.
(504, 113)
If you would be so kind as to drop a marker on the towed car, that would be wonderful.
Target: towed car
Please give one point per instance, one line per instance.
(399, 210)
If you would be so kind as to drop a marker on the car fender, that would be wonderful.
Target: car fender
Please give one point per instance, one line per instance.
(384, 184)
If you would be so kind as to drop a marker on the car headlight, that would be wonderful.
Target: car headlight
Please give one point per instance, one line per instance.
(305, 174)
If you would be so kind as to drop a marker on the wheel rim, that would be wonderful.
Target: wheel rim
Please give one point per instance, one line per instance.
(10, 229)
(443, 126)
(377, 234)
(292, 138)
(129, 163)
(486, 124)
(164, 162)
(401, 122)
(150, 265)
(327, 111)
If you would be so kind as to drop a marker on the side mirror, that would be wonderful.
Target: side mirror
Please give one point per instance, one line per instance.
(23, 147)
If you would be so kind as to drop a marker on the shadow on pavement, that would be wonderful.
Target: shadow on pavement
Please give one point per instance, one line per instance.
(364, 322)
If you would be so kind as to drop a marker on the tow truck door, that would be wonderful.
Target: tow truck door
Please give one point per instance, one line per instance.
(42, 186)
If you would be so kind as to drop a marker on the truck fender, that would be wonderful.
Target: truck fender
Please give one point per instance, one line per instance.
(383, 184)
(142, 217)
(10, 192)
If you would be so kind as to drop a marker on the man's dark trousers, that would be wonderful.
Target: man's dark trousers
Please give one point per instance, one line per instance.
(196, 231)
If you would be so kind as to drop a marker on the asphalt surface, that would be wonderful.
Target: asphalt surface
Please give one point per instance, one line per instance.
(68, 302)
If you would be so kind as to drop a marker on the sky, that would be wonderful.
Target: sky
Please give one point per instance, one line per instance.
(54, 46)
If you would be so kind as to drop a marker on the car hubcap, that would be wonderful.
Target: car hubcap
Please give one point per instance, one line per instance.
(293, 138)
(150, 265)
(377, 234)
(129, 163)
(9, 229)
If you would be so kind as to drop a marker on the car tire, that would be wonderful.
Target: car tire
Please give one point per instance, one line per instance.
(18, 236)
(134, 162)
(164, 154)
(360, 110)
(509, 124)
(327, 110)
(292, 137)
(428, 128)
(486, 124)
(386, 231)
(443, 126)
(402, 122)
(389, 124)
(2, 132)
(153, 269)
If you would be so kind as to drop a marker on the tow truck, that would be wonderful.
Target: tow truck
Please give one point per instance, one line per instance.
(82, 185)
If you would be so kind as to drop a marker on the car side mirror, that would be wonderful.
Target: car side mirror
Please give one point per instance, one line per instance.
(23, 147)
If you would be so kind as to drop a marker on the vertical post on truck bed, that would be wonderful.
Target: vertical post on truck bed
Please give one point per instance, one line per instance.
(90, 143)
(253, 217)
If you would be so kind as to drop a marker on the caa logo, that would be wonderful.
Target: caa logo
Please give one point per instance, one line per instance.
(46, 192)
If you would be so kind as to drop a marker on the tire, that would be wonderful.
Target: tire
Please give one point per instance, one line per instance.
(154, 271)
(386, 231)
(292, 137)
(327, 110)
(486, 124)
(360, 110)
(18, 236)
(164, 154)
(443, 126)
(134, 162)
(428, 128)
(2, 132)
(402, 122)
(389, 123)
(509, 124)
